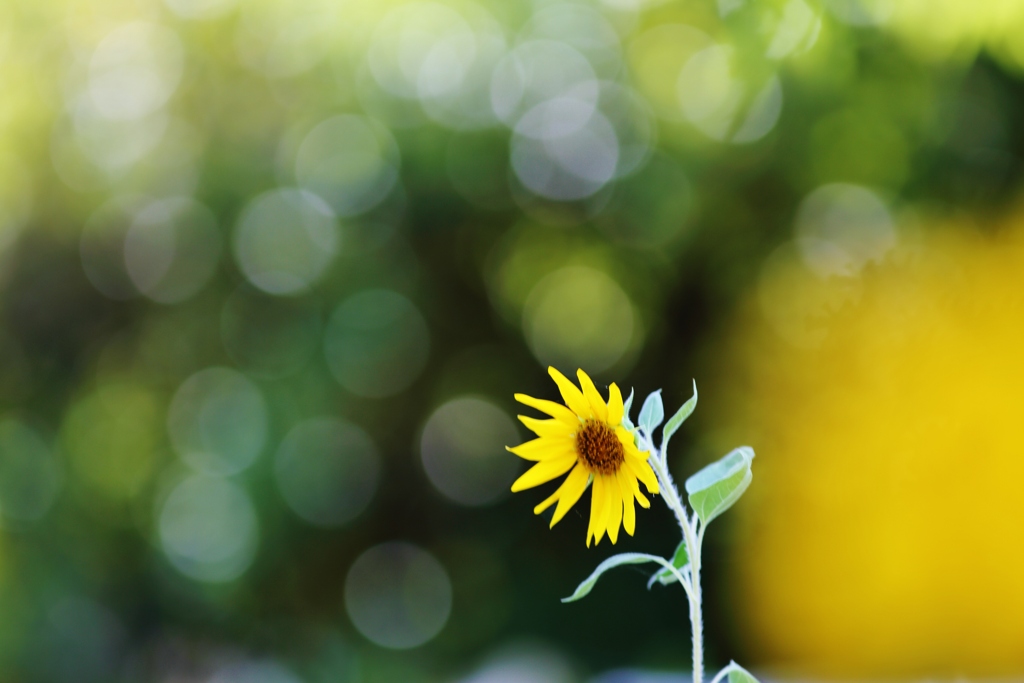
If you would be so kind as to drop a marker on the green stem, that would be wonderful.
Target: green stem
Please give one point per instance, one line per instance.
(670, 494)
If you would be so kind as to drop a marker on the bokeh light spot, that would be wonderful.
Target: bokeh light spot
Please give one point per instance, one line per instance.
(285, 239)
(95, 143)
(658, 56)
(563, 149)
(581, 27)
(579, 317)
(398, 595)
(797, 30)
(840, 228)
(135, 70)
(171, 249)
(350, 161)
(723, 106)
(463, 451)
(861, 12)
(208, 529)
(422, 49)
(376, 343)
(30, 476)
(529, 664)
(111, 437)
(538, 71)
(327, 470)
(218, 421)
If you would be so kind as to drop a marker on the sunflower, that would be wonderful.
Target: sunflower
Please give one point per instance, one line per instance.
(586, 439)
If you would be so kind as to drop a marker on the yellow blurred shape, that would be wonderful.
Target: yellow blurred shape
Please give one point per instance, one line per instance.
(883, 536)
(111, 437)
(580, 315)
(940, 29)
(657, 56)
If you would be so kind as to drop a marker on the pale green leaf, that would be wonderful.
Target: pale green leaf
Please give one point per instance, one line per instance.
(652, 413)
(677, 420)
(614, 561)
(626, 405)
(715, 488)
(666, 576)
(737, 674)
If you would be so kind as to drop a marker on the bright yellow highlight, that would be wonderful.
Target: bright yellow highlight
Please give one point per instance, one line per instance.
(884, 540)
(587, 440)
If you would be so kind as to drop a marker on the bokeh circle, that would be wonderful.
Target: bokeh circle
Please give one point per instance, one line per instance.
(398, 595)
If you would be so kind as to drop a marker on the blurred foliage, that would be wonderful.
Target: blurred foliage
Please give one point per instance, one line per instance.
(271, 272)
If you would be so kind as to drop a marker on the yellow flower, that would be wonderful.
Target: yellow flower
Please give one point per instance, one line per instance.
(589, 439)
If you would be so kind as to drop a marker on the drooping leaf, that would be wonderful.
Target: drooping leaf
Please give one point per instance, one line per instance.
(626, 405)
(666, 576)
(614, 561)
(677, 420)
(737, 674)
(715, 488)
(652, 413)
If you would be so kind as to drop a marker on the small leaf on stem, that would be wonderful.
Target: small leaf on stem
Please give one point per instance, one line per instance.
(715, 488)
(666, 576)
(678, 419)
(614, 561)
(627, 422)
(737, 674)
(652, 413)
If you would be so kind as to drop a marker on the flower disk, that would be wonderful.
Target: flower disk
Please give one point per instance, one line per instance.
(585, 438)
(598, 448)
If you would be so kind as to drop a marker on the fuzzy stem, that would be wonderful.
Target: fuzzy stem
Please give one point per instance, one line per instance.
(670, 494)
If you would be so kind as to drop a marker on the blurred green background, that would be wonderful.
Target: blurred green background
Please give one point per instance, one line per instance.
(271, 271)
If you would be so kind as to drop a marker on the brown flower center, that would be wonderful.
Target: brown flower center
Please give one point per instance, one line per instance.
(598, 448)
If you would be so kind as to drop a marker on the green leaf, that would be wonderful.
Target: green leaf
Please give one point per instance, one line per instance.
(626, 421)
(678, 419)
(737, 674)
(715, 488)
(666, 576)
(614, 561)
(652, 413)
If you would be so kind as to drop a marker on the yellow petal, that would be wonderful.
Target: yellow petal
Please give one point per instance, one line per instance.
(571, 490)
(572, 396)
(596, 500)
(544, 471)
(615, 406)
(642, 471)
(635, 485)
(614, 507)
(597, 404)
(555, 410)
(628, 511)
(547, 427)
(548, 501)
(629, 443)
(600, 521)
(544, 448)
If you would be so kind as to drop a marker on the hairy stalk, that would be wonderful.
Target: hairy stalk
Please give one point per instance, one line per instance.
(670, 494)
